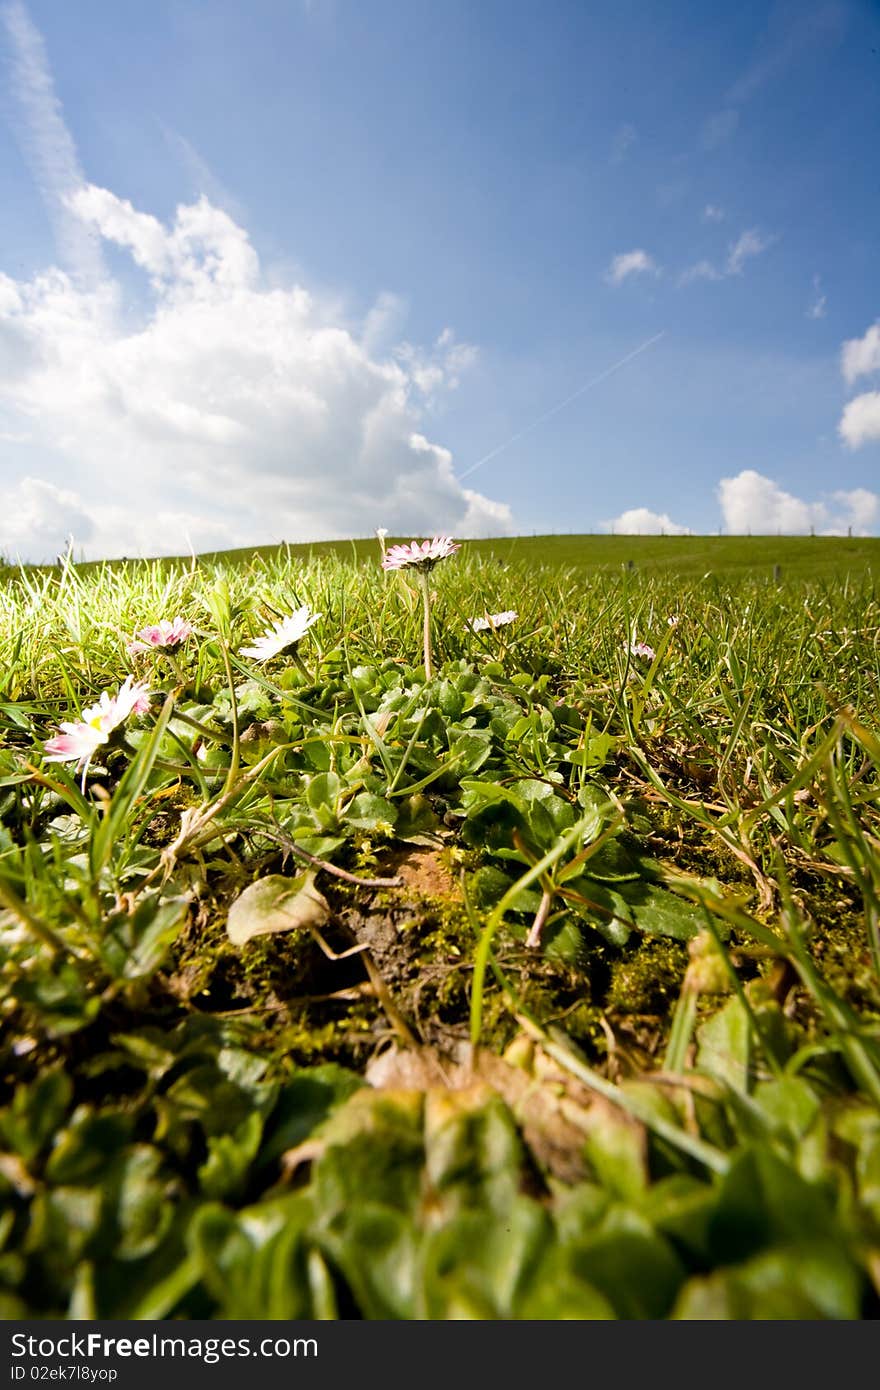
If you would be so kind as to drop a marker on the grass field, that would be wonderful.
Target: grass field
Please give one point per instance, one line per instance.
(419, 970)
(796, 556)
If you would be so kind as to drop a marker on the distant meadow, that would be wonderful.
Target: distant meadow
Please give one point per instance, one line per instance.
(433, 928)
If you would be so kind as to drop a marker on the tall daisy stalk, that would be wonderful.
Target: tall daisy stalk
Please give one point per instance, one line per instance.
(422, 558)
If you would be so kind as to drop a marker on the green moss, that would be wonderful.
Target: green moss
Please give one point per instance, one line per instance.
(347, 1040)
(649, 980)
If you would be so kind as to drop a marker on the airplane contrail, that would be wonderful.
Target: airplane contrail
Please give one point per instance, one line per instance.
(554, 410)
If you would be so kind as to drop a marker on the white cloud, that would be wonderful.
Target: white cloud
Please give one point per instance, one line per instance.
(860, 422)
(861, 356)
(816, 308)
(754, 504)
(630, 263)
(703, 270)
(235, 410)
(231, 413)
(861, 510)
(624, 138)
(640, 521)
(442, 367)
(45, 140)
(38, 520)
(202, 179)
(713, 213)
(383, 323)
(750, 243)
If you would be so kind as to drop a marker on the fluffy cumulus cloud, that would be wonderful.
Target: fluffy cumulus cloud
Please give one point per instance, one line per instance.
(860, 421)
(861, 356)
(39, 517)
(225, 412)
(754, 504)
(629, 263)
(641, 521)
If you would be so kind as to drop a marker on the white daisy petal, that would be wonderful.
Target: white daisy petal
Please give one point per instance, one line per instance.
(284, 633)
(422, 556)
(492, 620)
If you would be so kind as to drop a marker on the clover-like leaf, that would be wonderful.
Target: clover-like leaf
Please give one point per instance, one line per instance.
(275, 904)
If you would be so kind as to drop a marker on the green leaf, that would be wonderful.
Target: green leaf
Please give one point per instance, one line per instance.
(415, 816)
(616, 1148)
(59, 997)
(136, 944)
(322, 795)
(473, 1152)
(763, 1200)
(612, 862)
(680, 1207)
(790, 1103)
(868, 1174)
(558, 1293)
(601, 906)
(477, 1266)
(276, 904)
(725, 1045)
(255, 1262)
(373, 1151)
(204, 1094)
(137, 1202)
(593, 752)
(450, 700)
(303, 1104)
(370, 812)
(636, 1269)
(657, 912)
(376, 1249)
(809, 1281)
(230, 1156)
(36, 1112)
(88, 1144)
(63, 1222)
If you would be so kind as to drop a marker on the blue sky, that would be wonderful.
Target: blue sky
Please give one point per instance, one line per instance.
(304, 268)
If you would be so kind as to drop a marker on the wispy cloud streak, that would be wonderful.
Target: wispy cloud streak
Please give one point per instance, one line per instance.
(46, 142)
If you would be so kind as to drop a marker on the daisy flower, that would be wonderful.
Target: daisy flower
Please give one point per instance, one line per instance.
(642, 649)
(283, 635)
(492, 620)
(80, 739)
(421, 557)
(161, 636)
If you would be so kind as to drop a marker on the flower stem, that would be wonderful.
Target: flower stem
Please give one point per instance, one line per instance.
(175, 667)
(302, 666)
(426, 629)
